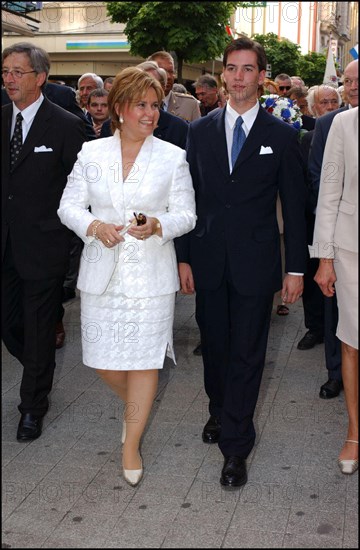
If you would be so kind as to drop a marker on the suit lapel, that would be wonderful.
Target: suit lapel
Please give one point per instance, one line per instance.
(258, 135)
(38, 128)
(7, 117)
(122, 193)
(218, 143)
(136, 176)
(173, 106)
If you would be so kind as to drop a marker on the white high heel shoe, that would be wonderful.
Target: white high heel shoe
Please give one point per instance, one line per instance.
(349, 466)
(133, 477)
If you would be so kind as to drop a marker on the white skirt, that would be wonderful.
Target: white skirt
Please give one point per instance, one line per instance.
(121, 333)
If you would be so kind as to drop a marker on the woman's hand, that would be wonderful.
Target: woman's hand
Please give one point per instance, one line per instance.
(325, 277)
(107, 233)
(143, 232)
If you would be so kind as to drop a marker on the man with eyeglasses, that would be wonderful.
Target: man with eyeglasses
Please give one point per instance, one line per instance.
(40, 146)
(182, 105)
(284, 84)
(333, 386)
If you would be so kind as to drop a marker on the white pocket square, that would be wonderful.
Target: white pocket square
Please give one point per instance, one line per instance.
(266, 150)
(43, 149)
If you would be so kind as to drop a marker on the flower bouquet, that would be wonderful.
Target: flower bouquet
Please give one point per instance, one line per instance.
(283, 108)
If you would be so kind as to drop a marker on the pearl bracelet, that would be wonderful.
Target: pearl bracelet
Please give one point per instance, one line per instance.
(95, 228)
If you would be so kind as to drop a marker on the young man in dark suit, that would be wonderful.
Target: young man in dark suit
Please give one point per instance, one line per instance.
(40, 146)
(240, 158)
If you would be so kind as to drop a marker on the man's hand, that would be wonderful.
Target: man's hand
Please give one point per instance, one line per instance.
(186, 279)
(325, 277)
(293, 286)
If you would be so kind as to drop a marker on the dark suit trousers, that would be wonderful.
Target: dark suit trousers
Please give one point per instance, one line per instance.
(29, 314)
(234, 331)
(331, 341)
(313, 298)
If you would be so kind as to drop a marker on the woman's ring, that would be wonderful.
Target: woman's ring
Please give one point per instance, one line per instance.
(107, 241)
(142, 237)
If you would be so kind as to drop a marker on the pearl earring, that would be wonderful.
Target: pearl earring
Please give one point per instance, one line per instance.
(121, 120)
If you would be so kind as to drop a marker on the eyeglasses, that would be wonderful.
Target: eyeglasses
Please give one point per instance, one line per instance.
(349, 81)
(15, 73)
(282, 88)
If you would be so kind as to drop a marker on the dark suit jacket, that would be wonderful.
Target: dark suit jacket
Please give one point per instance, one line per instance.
(32, 190)
(316, 154)
(308, 122)
(237, 212)
(170, 128)
(64, 96)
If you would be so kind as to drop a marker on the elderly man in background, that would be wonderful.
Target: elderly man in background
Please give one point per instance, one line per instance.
(206, 90)
(184, 106)
(86, 83)
(321, 100)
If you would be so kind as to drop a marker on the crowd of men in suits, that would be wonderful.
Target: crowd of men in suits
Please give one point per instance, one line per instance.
(231, 259)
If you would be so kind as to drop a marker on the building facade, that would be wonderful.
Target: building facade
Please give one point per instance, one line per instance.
(312, 25)
(80, 37)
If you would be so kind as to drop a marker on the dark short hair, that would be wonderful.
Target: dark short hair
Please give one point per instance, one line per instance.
(39, 58)
(98, 92)
(298, 92)
(282, 76)
(206, 80)
(245, 43)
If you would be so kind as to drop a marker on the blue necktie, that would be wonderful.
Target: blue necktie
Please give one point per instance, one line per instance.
(238, 140)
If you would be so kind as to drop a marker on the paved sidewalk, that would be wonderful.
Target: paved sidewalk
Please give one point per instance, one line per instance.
(65, 490)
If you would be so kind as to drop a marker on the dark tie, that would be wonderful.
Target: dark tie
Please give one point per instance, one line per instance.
(16, 140)
(238, 140)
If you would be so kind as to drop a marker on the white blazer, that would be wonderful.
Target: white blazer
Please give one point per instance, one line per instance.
(337, 214)
(159, 185)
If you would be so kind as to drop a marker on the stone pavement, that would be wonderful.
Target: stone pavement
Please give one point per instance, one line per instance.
(65, 490)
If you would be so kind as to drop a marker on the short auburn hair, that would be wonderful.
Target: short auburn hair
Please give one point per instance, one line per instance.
(130, 85)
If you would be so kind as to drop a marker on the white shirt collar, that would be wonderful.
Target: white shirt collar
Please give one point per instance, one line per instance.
(248, 117)
(29, 112)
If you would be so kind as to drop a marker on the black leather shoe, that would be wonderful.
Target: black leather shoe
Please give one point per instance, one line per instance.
(29, 427)
(310, 340)
(60, 335)
(211, 431)
(234, 472)
(68, 294)
(331, 389)
(197, 350)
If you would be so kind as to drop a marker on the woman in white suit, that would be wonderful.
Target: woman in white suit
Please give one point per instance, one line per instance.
(128, 281)
(336, 244)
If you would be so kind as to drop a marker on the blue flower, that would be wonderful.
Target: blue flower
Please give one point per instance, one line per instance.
(285, 113)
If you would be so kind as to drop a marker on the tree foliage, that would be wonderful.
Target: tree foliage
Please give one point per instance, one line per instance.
(285, 57)
(312, 68)
(283, 54)
(195, 31)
